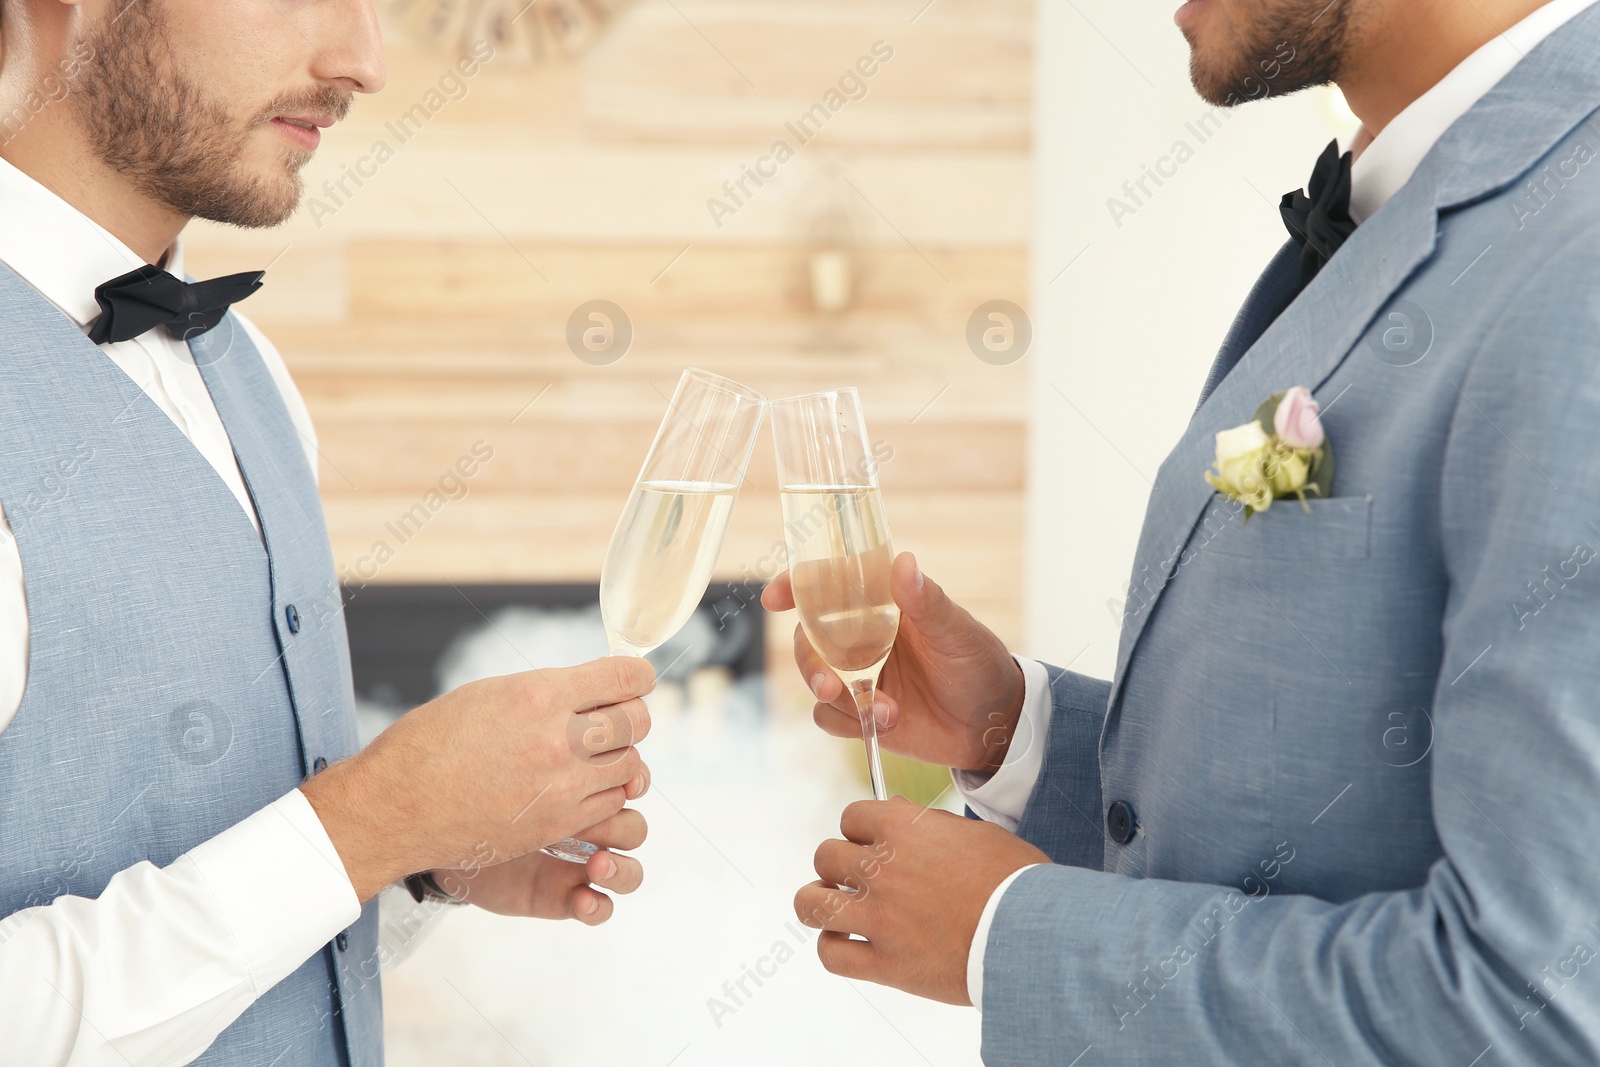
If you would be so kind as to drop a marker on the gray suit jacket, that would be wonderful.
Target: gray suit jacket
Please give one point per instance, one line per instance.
(1360, 748)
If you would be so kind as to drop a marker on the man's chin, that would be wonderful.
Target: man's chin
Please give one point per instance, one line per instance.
(258, 205)
(1212, 85)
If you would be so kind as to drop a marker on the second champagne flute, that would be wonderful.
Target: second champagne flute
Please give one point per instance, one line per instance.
(839, 549)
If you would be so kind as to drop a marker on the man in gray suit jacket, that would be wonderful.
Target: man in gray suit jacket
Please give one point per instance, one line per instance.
(1334, 806)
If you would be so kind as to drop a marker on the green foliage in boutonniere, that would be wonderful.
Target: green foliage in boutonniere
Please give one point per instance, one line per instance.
(1282, 452)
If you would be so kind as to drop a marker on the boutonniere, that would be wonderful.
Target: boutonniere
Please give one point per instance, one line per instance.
(1282, 452)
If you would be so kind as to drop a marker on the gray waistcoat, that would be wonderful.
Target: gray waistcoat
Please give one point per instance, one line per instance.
(182, 674)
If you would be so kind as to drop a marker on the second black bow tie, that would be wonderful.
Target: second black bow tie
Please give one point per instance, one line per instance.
(1318, 217)
(148, 297)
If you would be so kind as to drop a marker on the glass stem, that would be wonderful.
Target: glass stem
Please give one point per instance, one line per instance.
(865, 693)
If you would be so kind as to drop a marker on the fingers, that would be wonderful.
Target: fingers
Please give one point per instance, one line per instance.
(847, 958)
(923, 600)
(620, 874)
(608, 870)
(836, 722)
(825, 907)
(848, 723)
(831, 693)
(600, 806)
(601, 733)
(862, 821)
(590, 906)
(779, 594)
(609, 680)
(824, 684)
(843, 863)
(625, 830)
(640, 785)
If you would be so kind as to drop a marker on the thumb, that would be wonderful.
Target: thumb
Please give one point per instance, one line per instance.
(923, 601)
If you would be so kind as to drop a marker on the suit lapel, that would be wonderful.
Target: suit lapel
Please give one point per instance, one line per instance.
(1273, 291)
(1303, 346)
(1548, 95)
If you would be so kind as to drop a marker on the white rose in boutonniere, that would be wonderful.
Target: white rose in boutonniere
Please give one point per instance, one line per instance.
(1282, 452)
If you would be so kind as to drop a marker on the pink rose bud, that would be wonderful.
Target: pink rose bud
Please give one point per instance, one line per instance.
(1296, 421)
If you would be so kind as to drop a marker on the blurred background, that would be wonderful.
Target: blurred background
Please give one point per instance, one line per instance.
(505, 260)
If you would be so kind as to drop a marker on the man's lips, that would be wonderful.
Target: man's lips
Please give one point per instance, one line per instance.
(305, 131)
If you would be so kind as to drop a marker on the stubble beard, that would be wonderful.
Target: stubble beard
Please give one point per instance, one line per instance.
(153, 125)
(1312, 34)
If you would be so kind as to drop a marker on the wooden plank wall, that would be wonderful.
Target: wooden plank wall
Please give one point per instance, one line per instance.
(425, 309)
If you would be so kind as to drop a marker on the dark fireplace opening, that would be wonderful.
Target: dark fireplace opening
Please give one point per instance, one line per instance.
(408, 643)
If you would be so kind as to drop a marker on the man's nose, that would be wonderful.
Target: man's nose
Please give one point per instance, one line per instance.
(349, 45)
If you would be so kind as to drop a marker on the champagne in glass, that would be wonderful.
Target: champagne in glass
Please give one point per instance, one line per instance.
(666, 543)
(839, 547)
(660, 559)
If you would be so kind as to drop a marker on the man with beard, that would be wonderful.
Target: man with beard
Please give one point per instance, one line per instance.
(190, 846)
(1331, 807)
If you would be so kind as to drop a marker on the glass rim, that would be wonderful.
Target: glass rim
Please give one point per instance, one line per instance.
(726, 384)
(817, 395)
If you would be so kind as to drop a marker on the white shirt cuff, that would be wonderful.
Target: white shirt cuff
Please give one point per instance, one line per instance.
(1001, 797)
(281, 887)
(980, 938)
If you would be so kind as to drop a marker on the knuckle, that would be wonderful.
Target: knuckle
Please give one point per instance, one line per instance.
(558, 750)
(594, 732)
(563, 791)
(622, 674)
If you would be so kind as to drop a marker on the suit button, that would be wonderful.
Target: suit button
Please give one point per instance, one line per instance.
(342, 942)
(1119, 822)
(319, 765)
(291, 615)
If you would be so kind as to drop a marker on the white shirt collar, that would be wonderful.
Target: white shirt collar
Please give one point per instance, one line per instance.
(1393, 156)
(58, 249)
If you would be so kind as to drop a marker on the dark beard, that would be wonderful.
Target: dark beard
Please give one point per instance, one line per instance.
(152, 124)
(1292, 45)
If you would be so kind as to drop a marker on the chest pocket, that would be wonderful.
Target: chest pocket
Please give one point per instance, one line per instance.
(1339, 528)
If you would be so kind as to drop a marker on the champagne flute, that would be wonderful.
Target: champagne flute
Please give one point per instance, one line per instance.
(839, 549)
(666, 543)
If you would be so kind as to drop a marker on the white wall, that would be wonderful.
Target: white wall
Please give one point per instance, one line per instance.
(1124, 335)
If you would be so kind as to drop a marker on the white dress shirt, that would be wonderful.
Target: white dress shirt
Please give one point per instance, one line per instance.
(1385, 165)
(159, 965)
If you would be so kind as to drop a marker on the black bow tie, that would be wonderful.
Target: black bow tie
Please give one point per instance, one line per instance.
(143, 299)
(1320, 222)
